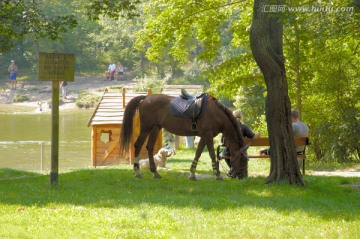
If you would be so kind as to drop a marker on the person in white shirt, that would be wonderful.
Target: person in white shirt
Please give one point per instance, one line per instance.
(109, 74)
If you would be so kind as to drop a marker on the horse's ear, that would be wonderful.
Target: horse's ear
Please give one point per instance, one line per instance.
(244, 148)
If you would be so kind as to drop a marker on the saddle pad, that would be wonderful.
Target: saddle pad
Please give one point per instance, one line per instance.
(179, 106)
(184, 108)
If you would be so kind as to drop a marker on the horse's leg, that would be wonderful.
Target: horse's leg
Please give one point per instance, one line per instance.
(150, 148)
(215, 164)
(199, 150)
(138, 144)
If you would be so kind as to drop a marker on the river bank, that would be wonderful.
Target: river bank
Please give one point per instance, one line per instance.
(40, 93)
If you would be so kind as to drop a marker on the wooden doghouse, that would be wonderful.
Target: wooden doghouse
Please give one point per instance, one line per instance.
(175, 90)
(106, 122)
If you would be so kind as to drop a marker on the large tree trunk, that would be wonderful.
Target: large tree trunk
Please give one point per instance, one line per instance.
(266, 45)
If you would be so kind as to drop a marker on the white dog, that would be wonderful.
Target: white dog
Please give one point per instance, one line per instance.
(159, 159)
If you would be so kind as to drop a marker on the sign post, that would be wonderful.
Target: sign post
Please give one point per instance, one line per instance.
(55, 67)
(54, 169)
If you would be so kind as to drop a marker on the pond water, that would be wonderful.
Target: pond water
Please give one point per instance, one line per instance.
(21, 134)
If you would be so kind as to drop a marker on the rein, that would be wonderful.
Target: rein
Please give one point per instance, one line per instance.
(226, 170)
(222, 166)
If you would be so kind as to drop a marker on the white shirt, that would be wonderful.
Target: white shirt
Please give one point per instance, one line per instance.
(112, 67)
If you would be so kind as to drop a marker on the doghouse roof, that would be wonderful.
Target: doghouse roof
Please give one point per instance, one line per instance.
(110, 109)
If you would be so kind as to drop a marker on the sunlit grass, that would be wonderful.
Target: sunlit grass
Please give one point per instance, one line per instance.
(110, 203)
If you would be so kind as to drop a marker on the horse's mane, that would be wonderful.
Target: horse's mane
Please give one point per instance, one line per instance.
(231, 117)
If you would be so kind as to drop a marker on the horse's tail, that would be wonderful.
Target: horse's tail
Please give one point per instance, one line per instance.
(127, 125)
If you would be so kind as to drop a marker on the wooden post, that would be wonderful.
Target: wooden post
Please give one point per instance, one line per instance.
(94, 145)
(54, 173)
(42, 152)
(123, 97)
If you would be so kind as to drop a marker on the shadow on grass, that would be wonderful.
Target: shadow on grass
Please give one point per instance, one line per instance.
(325, 197)
(11, 174)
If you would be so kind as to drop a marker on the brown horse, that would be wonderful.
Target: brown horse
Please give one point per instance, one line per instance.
(155, 114)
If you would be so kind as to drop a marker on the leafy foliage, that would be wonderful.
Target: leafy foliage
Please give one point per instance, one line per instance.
(20, 18)
(326, 59)
(113, 8)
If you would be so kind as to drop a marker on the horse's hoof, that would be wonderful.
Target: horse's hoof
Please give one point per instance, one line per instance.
(192, 178)
(219, 178)
(241, 177)
(156, 175)
(138, 176)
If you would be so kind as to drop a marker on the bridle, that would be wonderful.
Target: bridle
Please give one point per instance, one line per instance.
(240, 169)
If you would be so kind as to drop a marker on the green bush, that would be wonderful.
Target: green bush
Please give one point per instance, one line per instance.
(87, 100)
(155, 83)
(21, 98)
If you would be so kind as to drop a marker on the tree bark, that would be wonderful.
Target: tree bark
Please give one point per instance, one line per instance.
(266, 45)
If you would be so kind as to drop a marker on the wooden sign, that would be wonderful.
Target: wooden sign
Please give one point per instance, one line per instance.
(56, 66)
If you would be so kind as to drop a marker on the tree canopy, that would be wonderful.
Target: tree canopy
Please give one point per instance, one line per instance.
(21, 18)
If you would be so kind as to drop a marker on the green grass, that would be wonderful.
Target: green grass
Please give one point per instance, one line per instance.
(110, 203)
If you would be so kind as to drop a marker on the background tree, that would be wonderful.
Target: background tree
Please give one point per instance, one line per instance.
(321, 63)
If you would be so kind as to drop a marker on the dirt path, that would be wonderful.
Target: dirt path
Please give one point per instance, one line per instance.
(348, 173)
(40, 92)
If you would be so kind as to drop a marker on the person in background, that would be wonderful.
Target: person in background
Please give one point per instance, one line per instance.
(299, 129)
(110, 73)
(189, 142)
(63, 85)
(119, 71)
(247, 133)
(14, 71)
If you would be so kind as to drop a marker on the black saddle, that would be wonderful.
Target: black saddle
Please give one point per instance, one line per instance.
(189, 106)
(186, 96)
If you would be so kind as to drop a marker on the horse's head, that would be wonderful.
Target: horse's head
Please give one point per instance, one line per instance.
(239, 162)
(235, 141)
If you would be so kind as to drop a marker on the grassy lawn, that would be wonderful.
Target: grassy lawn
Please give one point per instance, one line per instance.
(110, 203)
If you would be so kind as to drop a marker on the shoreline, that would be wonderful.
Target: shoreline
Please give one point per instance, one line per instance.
(40, 93)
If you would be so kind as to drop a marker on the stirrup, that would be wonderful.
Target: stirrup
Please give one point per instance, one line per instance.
(194, 127)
